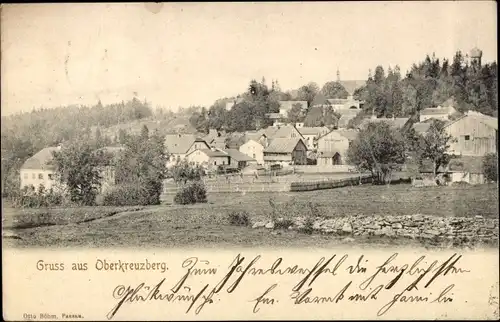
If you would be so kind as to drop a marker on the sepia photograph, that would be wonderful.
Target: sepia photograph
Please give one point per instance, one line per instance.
(285, 126)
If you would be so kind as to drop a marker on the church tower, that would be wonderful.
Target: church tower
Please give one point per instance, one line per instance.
(475, 56)
(338, 75)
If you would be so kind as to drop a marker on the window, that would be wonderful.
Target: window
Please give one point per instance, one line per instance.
(33, 176)
(40, 176)
(215, 162)
(223, 162)
(254, 155)
(467, 137)
(51, 177)
(25, 176)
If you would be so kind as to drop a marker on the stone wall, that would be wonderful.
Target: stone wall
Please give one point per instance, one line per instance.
(407, 226)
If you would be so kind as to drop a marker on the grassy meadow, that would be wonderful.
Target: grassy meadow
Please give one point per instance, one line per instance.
(207, 225)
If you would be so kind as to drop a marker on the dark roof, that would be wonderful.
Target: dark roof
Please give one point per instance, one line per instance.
(41, 160)
(282, 145)
(237, 155)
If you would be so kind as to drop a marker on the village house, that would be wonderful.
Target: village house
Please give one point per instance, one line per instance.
(254, 149)
(239, 160)
(285, 151)
(180, 145)
(474, 134)
(332, 147)
(208, 157)
(311, 134)
(39, 170)
(467, 169)
(442, 112)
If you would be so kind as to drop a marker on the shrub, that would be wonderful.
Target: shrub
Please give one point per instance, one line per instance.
(490, 167)
(29, 197)
(191, 193)
(239, 218)
(125, 195)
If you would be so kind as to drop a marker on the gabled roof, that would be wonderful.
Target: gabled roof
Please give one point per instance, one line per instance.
(316, 130)
(41, 160)
(282, 145)
(285, 132)
(180, 143)
(334, 133)
(489, 121)
(237, 155)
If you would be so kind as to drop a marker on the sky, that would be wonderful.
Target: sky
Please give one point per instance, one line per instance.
(182, 54)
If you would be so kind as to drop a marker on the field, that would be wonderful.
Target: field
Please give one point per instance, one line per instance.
(207, 225)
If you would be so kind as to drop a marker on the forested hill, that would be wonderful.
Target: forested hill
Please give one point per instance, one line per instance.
(473, 86)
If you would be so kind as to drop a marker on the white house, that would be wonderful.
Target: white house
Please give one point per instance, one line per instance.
(208, 157)
(254, 149)
(179, 145)
(38, 170)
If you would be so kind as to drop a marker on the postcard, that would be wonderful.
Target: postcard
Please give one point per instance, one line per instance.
(249, 161)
